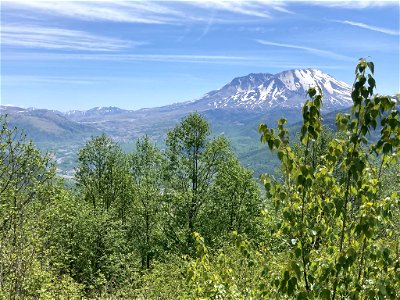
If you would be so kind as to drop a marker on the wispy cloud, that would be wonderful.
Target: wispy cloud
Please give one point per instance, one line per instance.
(319, 52)
(117, 11)
(371, 27)
(261, 9)
(276, 61)
(57, 38)
(18, 79)
(355, 4)
(153, 12)
(183, 58)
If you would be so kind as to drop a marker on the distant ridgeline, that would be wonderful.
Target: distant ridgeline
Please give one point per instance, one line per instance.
(235, 111)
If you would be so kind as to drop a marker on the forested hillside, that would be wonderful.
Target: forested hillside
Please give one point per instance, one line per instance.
(190, 222)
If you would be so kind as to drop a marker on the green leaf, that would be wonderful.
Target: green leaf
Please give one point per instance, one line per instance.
(371, 66)
(311, 92)
(280, 155)
(296, 269)
(387, 148)
(297, 252)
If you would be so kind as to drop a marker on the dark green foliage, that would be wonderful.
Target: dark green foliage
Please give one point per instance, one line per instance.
(235, 204)
(193, 162)
(101, 174)
(145, 221)
(207, 190)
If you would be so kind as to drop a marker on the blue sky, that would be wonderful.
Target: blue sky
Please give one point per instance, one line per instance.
(68, 55)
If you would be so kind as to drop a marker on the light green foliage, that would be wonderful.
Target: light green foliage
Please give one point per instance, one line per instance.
(166, 280)
(23, 171)
(390, 178)
(333, 224)
(233, 272)
(27, 184)
(319, 146)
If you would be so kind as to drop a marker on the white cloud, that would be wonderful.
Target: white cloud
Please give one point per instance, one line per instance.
(129, 12)
(355, 4)
(371, 27)
(276, 61)
(184, 58)
(57, 38)
(261, 9)
(18, 79)
(152, 12)
(319, 52)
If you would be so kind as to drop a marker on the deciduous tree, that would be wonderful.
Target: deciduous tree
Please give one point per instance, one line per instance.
(146, 171)
(193, 161)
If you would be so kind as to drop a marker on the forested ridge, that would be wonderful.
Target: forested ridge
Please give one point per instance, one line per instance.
(189, 222)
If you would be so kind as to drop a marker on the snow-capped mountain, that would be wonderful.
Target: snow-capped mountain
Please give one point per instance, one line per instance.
(254, 92)
(287, 89)
(94, 112)
(235, 110)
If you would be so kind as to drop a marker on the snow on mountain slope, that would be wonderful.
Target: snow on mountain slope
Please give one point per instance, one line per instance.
(96, 112)
(255, 92)
(286, 89)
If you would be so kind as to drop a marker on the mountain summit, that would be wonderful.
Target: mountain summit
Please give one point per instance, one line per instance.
(288, 89)
(259, 92)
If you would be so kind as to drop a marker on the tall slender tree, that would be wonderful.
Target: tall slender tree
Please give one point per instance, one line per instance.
(146, 166)
(193, 161)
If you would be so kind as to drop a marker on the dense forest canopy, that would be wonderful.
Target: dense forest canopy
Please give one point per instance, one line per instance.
(189, 222)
